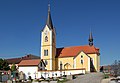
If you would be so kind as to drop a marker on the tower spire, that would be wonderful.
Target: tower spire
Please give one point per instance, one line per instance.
(49, 19)
(48, 7)
(90, 39)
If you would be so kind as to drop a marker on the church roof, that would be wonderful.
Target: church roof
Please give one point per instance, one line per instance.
(49, 20)
(74, 50)
(34, 62)
(14, 60)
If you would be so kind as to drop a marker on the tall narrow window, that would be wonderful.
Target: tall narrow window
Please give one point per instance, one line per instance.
(81, 61)
(45, 52)
(46, 39)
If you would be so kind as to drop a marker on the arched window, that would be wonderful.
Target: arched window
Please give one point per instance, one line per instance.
(67, 65)
(46, 39)
(81, 61)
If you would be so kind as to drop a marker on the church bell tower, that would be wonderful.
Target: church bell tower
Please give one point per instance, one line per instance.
(48, 43)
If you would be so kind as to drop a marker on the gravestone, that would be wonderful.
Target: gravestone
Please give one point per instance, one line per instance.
(69, 77)
(9, 81)
(21, 76)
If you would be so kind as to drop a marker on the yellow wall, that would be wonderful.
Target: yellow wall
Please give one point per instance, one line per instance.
(75, 62)
(64, 61)
(50, 46)
(96, 62)
(45, 48)
(56, 63)
(48, 35)
(48, 65)
(53, 57)
(86, 61)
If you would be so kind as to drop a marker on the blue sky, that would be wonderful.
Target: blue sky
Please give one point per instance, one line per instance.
(22, 20)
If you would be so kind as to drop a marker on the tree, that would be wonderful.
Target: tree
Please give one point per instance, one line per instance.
(4, 65)
(13, 67)
(115, 67)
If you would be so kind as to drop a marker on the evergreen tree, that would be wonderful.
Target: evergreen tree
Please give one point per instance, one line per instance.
(4, 65)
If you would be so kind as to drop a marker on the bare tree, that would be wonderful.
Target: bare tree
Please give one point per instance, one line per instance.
(115, 68)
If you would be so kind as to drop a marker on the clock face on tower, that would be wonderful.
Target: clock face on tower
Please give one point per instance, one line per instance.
(46, 32)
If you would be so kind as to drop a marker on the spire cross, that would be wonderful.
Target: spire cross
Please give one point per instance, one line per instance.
(49, 20)
(49, 7)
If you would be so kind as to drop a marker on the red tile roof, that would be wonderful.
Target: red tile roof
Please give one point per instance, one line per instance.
(18, 60)
(14, 60)
(34, 62)
(74, 50)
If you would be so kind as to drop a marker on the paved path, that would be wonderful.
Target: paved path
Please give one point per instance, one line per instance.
(106, 80)
(88, 78)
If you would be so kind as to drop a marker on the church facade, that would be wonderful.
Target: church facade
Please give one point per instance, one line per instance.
(85, 57)
(56, 62)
